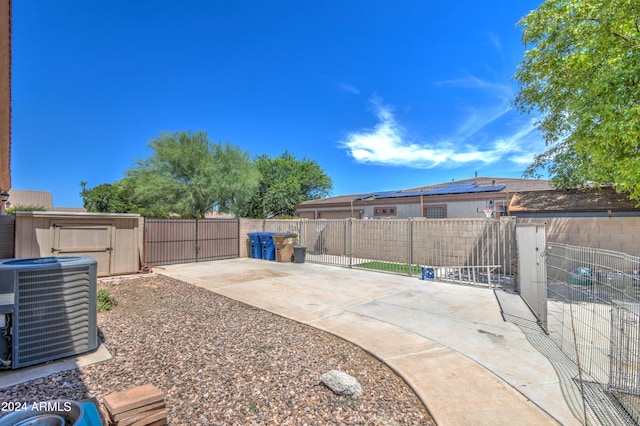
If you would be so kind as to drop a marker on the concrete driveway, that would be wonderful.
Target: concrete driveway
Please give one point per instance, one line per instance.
(448, 342)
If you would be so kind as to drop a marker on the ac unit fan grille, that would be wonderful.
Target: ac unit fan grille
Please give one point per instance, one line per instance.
(53, 315)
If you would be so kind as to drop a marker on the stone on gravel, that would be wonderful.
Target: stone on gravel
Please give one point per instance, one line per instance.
(221, 362)
(342, 383)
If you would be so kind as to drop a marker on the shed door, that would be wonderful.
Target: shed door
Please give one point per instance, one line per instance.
(77, 239)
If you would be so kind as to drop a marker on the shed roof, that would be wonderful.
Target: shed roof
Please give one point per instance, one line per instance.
(57, 214)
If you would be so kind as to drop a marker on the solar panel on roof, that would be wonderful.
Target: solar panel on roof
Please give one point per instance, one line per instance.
(364, 197)
(462, 188)
(490, 188)
(454, 188)
(384, 194)
(398, 194)
(461, 185)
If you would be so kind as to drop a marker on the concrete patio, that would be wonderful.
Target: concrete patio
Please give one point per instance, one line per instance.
(449, 342)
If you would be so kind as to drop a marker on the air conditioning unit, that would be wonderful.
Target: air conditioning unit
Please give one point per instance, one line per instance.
(47, 309)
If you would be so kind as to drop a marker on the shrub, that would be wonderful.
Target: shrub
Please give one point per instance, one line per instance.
(14, 209)
(106, 301)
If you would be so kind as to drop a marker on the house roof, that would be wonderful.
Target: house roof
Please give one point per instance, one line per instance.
(510, 184)
(26, 198)
(466, 186)
(571, 201)
(340, 199)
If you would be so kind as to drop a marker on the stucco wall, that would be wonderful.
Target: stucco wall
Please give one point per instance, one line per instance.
(610, 233)
(467, 209)
(402, 210)
(455, 210)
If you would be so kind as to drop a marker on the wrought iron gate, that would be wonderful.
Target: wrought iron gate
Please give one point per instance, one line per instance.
(471, 251)
(168, 241)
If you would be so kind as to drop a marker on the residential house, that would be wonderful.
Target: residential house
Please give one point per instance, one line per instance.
(456, 199)
(42, 199)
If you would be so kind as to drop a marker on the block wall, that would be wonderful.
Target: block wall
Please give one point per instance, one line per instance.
(610, 233)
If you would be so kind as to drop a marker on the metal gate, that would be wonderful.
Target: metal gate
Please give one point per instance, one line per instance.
(471, 251)
(168, 241)
(532, 270)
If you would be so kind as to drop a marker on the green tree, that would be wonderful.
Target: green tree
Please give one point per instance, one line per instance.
(236, 177)
(190, 176)
(103, 198)
(284, 182)
(581, 73)
(115, 198)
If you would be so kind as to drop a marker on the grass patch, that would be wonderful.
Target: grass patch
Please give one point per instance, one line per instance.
(106, 301)
(401, 268)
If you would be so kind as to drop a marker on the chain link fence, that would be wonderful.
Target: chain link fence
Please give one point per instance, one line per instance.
(594, 317)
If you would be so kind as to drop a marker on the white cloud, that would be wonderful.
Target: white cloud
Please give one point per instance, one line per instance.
(476, 117)
(389, 143)
(489, 133)
(349, 88)
(496, 42)
(500, 90)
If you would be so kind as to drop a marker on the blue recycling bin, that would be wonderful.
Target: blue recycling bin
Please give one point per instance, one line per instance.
(268, 246)
(428, 273)
(256, 246)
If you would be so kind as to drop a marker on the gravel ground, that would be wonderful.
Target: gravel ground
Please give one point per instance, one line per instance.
(221, 362)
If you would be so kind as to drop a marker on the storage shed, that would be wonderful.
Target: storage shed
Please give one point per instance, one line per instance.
(112, 239)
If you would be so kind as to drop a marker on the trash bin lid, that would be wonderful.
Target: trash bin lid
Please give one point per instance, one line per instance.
(265, 236)
(282, 241)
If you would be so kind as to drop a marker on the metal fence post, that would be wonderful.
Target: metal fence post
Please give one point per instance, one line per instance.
(238, 235)
(410, 243)
(350, 240)
(197, 243)
(300, 228)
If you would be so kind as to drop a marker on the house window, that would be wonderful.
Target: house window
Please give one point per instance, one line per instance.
(435, 212)
(384, 211)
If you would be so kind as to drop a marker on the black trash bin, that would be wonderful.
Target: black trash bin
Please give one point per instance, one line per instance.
(299, 253)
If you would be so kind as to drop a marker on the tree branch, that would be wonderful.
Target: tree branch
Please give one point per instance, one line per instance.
(615, 34)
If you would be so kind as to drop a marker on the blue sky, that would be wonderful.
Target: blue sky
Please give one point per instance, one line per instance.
(384, 95)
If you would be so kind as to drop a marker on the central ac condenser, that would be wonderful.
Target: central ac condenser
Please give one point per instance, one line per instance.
(47, 309)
